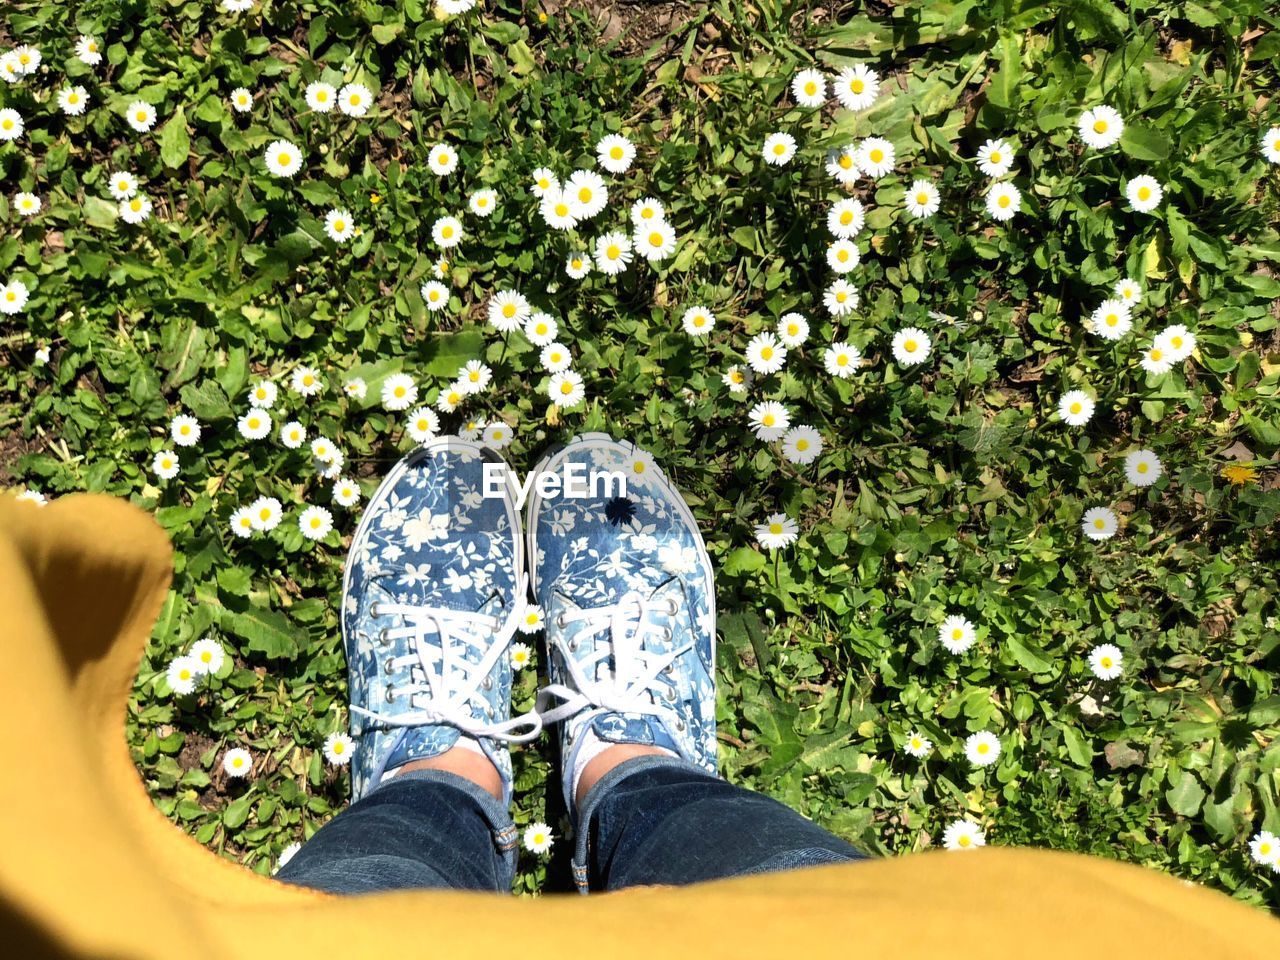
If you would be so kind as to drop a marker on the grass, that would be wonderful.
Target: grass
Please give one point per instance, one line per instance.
(950, 487)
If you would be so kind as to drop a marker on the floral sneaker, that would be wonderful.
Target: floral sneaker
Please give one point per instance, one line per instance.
(629, 597)
(433, 591)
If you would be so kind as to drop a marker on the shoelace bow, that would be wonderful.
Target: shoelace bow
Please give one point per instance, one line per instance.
(632, 685)
(449, 681)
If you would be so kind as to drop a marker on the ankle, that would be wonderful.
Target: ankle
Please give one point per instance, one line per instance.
(468, 764)
(609, 758)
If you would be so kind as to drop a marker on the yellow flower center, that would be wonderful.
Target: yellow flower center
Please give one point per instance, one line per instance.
(339, 225)
(842, 255)
(1176, 342)
(779, 149)
(1075, 407)
(842, 360)
(355, 99)
(768, 419)
(399, 391)
(1112, 320)
(613, 251)
(141, 116)
(957, 633)
(1144, 193)
(543, 183)
(775, 528)
(508, 310)
(135, 205)
(73, 97)
(793, 330)
(841, 297)
(1106, 663)
(846, 218)
(616, 152)
(802, 445)
(339, 747)
(856, 85)
(963, 841)
(443, 159)
(474, 376)
(994, 156)
(322, 95)
(562, 209)
(876, 155)
(1099, 126)
(984, 748)
(910, 346)
(1004, 200)
(308, 380)
(584, 195)
(264, 514)
(655, 239)
(566, 388)
(284, 159)
(446, 232)
(433, 296)
(766, 353)
(1156, 353)
(846, 162)
(922, 198)
(811, 88)
(736, 376)
(315, 523)
(1100, 523)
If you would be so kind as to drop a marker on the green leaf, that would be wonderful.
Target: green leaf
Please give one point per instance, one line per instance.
(237, 812)
(1079, 749)
(206, 401)
(1144, 143)
(1028, 655)
(175, 142)
(447, 353)
(1186, 796)
(267, 632)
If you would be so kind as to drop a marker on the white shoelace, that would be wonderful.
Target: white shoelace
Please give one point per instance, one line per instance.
(450, 683)
(633, 685)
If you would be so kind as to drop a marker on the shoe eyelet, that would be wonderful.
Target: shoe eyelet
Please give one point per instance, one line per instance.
(375, 611)
(560, 620)
(670, 694)
(672, 608)
(669, 669)
(680, 725)
(390, 695)
(388, 666)
(382, 637)
(667, 634)
(487, 683)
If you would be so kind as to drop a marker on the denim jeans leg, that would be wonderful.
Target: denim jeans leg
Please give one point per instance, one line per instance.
(422, 829)
(659, 820)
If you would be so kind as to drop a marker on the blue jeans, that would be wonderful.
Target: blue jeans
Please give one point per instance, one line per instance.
(650, 820)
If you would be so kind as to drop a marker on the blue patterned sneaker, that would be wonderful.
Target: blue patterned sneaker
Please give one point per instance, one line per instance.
(433, 591)
(630, 605)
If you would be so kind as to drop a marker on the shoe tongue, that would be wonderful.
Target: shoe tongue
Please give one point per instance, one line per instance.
(422, 585)
(633, 728)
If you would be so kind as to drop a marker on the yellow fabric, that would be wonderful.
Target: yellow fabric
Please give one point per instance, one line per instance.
(89, 868)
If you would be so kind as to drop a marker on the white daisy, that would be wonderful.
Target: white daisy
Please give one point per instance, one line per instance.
(1100, 523)
(237, 6)
(141, 116)
(995, 158)
(32, 496)
(982, 748)
(1271, 145)
(538, 838)
(566, 390)
(876, 157)
(450, 398)
(73, 101)
(283, 159)
(1264, 848)
(135, 210)
(122, 185)
(355, 99)
(1106, 661)
(346, 492)
(475, 375)
(42, 355)
(1156, 359)
(802, 444)
(911, 346)
(793, 329)
(531, 620)
(657, 241)
(11, 125)
(399, 392)
(185, 430)
(266, 513)
(578, 264)
(13, 297)
(442, 160)
(289, 852)
(237, 762)
(182, 675)
(923, 199)
(1003, 201)
(963, 835)
(544, 182)
(778, 149)
(1075, 407)
(241, 522)
(615, 153)
(338, 748)
(765, 354)
(241, 100)
(540, 329)
(842, 164)
(1178, 341)
(555, 357)
(422, 425)
(338, 225)
(857, 87)
(1100, 127)
(355, 388)
(27, 204)
(841, 298)
(769, 420)
(1144, 193)
(1111, 320)
(306, 381)
(263, 394)
(613, 253)
(10, 67)
(495, 435)
(1128, 292)
(809, 88)
(29, 58)
(841, 359)
(1142, 468)
(87, 51)
(843, 256)
(435, 295)
(508, 310)
(208, 655)
(483, 202)
(323, 449)
(918, 745)
(777, 531)
(165, 464)
(735, 378)
(646, 211)
(447, 232)
(321, 96)
(956, 634)
(698, 321)
(587, 190)
(255, 424)
(845, 218)
(521, 653)
(315, 523)
(558, 210)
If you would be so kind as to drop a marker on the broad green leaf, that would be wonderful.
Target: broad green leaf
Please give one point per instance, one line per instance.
(175, 142)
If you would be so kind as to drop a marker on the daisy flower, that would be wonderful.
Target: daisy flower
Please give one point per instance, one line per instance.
(141, 116)
(918, 745)
(1178, 341)
(802, 445)
(337, 749)
(1127, 292)
(982, 748)
(769, 420)
(1003, 201)
(321, 96)
(1111, 320)
(32, 496)
(435, 295)
(540, 330)
(165, 464)
(42, 355)
(615, 153)
(1156, 359)
(843, 256)
(450, 398)
(135, 210)
(182, 675)
(655, 242)
(995, 158)
(841, 298)
(1271, 145)
(208, 655)
(538, 838)
(566, 389)
(765, 354)
(911, 346)
(355, 99)
(1144, 193)
(355, 388)
(237, 6)
(13, 297)
(521, 653)
(122, 185)
(558, 211)
(306, 381)
(338, 225)
(531, 620)
(1142, 468)
(841, 359)
(346, 492)
(508, 310)
(779, 148)
(923, 199)
(10, 124)
(283, 159)
(422, 425)
(255, 424)
(1075, 407)
(578, 265)
(475, 375)
(322, 449)
(237, 761)
(876, 157)
(263, 394)
(29, 58)
(793, 329)
(856, 87)
(495, 435)
(1106, 661)
(613, 253)
(544, 182)
(555, 357)
(1100, 127)
(483, 202)
(185, 430)
(963, 835)
(447, 232)
(10, 67)
(87, 51)
(266, 513)
(442, 160)
(647, 211)
(698, 321)
(399, 392)
(845, 218)
(241, 100)
(842, 164)
(809, 88)
(27, 204)
(956, 634)
(73, 101)
(315, 523)
(455, 7)
(241, 522)
(735, 378)
(777, 531)
(1100, 523)
(1264, 848)
(587, 189)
